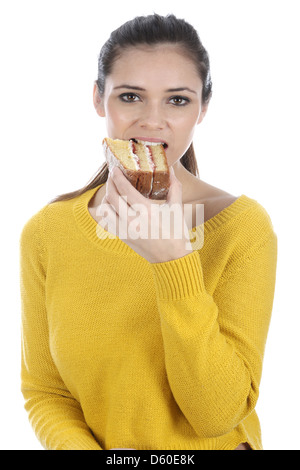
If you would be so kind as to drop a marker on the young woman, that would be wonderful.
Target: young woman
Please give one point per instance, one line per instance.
(147, 343)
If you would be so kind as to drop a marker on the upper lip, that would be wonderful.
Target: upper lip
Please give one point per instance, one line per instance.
(151, 139)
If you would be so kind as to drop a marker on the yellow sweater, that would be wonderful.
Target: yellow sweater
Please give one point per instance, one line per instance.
(121, 353)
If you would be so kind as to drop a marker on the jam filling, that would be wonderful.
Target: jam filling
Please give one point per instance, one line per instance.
(133, 146)
(151, 163)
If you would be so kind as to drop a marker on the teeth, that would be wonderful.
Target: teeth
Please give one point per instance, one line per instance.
(149, 143)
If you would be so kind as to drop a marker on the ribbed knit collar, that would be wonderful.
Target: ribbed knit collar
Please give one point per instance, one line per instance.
(96, 234)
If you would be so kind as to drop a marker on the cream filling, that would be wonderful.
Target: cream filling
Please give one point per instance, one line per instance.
(134, 156)
(149, 157)
(151, 164)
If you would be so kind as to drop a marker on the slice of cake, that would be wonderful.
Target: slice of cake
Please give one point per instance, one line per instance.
(145, 166)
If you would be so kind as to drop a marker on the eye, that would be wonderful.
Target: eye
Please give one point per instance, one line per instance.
(128, 97)
(180, 100)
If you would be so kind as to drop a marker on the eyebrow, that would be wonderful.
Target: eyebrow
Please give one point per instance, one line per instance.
(130, 87)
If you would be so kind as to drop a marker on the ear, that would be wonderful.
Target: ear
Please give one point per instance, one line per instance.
(98, 101)
(203, 113)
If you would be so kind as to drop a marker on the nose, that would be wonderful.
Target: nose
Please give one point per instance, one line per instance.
(152, 117)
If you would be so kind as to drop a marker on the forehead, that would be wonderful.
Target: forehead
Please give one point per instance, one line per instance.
(164, 63)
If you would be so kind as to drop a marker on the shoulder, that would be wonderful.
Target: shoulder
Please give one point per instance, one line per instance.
(31, 245)
(249, 227)
(50, 215)
(217, 204)
(33, 225)
(246, 218)
(216, 200)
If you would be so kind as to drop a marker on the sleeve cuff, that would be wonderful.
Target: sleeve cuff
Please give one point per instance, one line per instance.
(180, 278)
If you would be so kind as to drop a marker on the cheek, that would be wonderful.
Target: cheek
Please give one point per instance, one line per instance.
(186, 119)
(185, 128)
(117, 117)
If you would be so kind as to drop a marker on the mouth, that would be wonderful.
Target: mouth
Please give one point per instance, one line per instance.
(150, 142)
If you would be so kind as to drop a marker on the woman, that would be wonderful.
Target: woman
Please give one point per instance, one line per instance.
(147, 343)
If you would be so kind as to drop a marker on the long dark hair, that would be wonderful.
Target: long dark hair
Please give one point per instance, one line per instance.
(151, 30)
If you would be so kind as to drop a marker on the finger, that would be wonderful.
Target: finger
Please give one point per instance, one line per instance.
(107, 217)
(113, 197)
(106, 208)
(175, 190)
(125, 188)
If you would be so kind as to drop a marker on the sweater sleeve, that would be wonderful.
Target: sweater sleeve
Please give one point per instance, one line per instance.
(214, 346)
(55, 415)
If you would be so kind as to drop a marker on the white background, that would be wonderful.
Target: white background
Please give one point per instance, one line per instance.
(248, 144)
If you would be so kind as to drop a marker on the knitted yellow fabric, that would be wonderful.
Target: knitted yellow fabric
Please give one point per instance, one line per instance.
(121, 353)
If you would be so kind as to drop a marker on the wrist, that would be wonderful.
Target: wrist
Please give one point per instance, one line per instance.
(180, 253)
